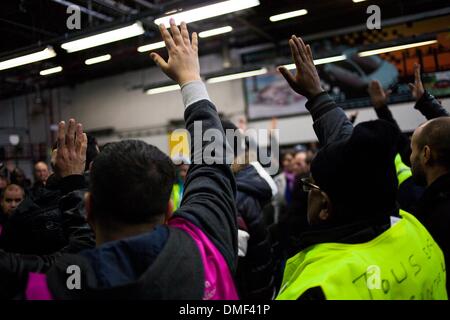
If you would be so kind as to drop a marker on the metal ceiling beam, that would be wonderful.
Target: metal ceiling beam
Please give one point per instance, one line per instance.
(118, 7)
(85, 10)
(147, 4)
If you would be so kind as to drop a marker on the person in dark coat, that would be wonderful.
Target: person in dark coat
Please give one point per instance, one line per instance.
(255, 190)
(430, 161)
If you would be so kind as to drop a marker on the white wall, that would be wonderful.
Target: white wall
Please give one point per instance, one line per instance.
(299, 129)
(112, 102)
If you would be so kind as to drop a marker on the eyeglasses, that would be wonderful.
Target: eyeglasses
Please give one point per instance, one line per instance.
(308, 185)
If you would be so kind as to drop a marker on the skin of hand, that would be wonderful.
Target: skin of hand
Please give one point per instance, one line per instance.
(183, 64)
(417, 89)
(71, 152)
(378, 96)
(306, 81)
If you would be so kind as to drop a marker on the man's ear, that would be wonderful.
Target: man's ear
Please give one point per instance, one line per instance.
(426, 154)
(169, 212)
(88, 208)
(325, 212)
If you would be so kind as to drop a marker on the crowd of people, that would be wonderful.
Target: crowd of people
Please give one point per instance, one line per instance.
(365, 216)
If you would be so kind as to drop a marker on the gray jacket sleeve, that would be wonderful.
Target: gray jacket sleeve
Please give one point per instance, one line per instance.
(330, 122)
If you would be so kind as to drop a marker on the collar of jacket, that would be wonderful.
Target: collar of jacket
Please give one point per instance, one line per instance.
(351, 233)
(439, 188)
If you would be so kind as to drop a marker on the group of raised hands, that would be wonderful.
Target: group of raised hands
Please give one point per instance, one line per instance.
(380, 97)
(183, 66)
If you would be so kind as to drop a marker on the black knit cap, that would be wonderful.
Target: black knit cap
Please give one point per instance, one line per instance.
(358, 174)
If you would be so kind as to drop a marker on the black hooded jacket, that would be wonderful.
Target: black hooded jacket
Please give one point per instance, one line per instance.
(255, 271)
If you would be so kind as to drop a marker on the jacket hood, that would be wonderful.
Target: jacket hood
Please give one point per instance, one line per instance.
(256, 182)
(147, 266)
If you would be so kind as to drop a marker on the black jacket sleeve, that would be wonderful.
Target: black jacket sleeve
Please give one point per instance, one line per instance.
(14, 269)
(430, 107)
(209, 194)
(75, 227)
(330, 122)
(255, 276)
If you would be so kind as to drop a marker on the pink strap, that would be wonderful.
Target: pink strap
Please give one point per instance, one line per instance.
(219, 284)
(37, 288)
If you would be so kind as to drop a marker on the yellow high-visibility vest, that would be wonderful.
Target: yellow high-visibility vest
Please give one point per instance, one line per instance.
(404, 262)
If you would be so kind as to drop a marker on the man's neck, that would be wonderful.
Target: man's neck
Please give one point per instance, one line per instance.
(103, 236)
(435, 173)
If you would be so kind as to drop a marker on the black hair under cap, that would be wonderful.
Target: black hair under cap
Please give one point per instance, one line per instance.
(358, 174)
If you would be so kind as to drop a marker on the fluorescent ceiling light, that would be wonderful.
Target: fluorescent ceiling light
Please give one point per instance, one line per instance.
(163, 89)
(215, 32)
(151, 46)
(208, 11)
(288, 15)
(50, 71)
(396, 48)
(356, 1)
(237, 76)
(47, 53)
(99, 59)
(319, 61)
(104, 38)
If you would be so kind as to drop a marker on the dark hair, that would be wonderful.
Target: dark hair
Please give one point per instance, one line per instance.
(131, 183)
(436, 134)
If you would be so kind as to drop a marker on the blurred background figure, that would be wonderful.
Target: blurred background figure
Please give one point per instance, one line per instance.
(182, 166)
(11, 198)
(41, 174)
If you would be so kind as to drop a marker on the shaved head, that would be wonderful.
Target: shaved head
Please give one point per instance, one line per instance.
(436, 134)
(430, 147)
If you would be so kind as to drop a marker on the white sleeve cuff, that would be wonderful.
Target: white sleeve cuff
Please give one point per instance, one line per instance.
(193, 92)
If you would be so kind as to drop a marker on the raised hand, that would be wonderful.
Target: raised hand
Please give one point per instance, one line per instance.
(306, 82)
(71, 152)
(378, 96)
(417, 89)
(183, 65)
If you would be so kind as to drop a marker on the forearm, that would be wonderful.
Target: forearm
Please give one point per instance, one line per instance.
(430, 107)
(384, 113)
(208, 199)
(330, 122)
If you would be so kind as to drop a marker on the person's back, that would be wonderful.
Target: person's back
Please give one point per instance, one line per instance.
(393, 266)
(143, 252)
(358, 239)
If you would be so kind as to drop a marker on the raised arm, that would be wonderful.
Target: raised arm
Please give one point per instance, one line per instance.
(425, 102)
(208, 201)
(330, 122)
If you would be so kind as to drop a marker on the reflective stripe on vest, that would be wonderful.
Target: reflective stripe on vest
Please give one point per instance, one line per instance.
(403, 171)
(403, 262)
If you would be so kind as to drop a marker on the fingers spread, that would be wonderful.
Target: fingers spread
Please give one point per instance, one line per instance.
(159, 60)
(170, 44)
(79, 138)
(61, 135)
(301, 48)
(309, 51)
(176, 34)
(288, 76)
(417, 72)
(195, 41)
(295, 54)
(70, 136)
(185, 35)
